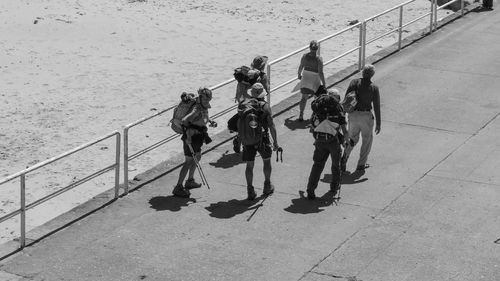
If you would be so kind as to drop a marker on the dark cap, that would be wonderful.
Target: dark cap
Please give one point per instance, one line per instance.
(259, 62)
(313, 45)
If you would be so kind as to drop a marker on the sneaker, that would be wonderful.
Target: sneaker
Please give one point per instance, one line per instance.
(191, 183)
(236, 145)
(180, 191)
(268, 188)
(251, 193)
(311, 195)
(362, 167)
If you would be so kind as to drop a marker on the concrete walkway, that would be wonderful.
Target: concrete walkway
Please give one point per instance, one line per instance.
(427, 209)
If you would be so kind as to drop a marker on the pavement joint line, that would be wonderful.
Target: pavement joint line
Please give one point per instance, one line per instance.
(402, 232)
(465, 180)
(331, 275)
(330, 254)
(427, 127)
(17, 275)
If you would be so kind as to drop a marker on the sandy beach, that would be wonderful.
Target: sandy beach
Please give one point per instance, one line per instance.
(75, 70)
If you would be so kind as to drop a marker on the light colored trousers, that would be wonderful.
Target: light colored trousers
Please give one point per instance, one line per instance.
(360, 122)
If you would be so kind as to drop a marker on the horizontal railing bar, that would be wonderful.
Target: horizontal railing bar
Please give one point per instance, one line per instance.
(385, 34)
(69, 187)
(53, 159)
(288, 55)
(445, 5)
(224, 112)
(283, 84)
(10, 215)
(342, 55)
(148, 117)
(340, 32)
(153, 146)
(389, 10)
(414, 20)
(222, 84)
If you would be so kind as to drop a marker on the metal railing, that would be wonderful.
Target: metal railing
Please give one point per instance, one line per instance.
(360, 48)
(22, 175)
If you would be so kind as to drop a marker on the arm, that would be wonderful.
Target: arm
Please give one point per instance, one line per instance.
(352, 86)
(320, 71)
(345, 132)
(265, 83)
(301, 67)
(186, 121)
(272, 128)
(376, 109)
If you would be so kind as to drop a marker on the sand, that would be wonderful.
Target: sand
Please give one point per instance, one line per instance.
(75, 70)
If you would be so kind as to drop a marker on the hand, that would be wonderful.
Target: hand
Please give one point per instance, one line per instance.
(299, 76)
(275, 146)
(377, 129)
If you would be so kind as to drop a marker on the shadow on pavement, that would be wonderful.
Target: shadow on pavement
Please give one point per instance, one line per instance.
(295, 124)
(231, 208)
(169, 203)
(347, 178)
(227, 160)
(302, 205)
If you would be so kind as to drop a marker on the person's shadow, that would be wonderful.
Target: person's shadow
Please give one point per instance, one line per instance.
(295, 124)
(347, 178)
(169, 203)
(227, 160)
(302, 205)
(231, 208)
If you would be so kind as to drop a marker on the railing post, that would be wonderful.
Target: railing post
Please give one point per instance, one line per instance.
(400, 27)
(432, 17)
(117, 165)
(125, 159)
(435, 14)
(361, 46)
(462, 5)
(22, 239)
(269, 84)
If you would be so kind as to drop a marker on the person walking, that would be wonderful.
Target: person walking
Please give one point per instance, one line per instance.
(195, 134)
(310, 74)
(360, 121)
(257, 74)
(328, 120)
(254, 125)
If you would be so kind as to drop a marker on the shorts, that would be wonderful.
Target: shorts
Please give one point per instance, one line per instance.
(196, 143)
(250, 151)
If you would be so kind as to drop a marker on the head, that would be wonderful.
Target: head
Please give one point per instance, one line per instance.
(313, 45)
(253, 74)
(334, 93)
(368, 71)
(205, 95)
(259, 62)
(257, 91)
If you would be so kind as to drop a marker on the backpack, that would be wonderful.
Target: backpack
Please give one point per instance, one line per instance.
(188, 101)
(350, 99)
(251, 121)
(245, 74)
(324, 107)
(349, 102)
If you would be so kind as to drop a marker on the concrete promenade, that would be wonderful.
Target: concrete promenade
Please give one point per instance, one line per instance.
(428, 208)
